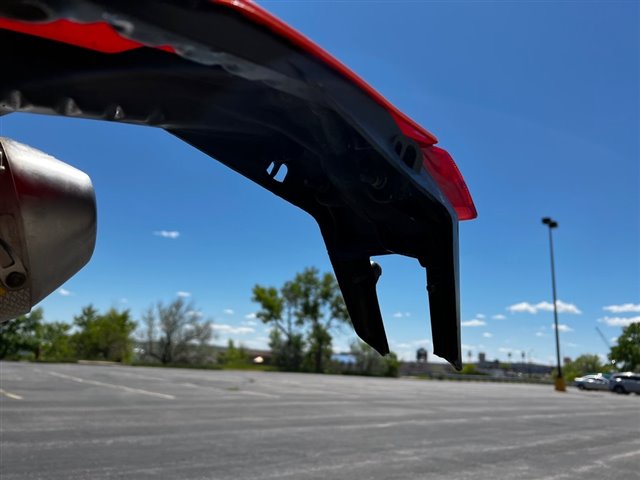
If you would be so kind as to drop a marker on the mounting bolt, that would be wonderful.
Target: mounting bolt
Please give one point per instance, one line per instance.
(15, 279)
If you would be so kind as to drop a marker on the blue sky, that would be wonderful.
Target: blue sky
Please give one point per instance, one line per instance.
(538, 102)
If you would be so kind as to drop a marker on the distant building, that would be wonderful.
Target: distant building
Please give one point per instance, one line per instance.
(493, 368)
(421, 355)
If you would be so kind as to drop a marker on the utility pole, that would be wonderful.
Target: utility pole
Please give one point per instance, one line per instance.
(559, 381)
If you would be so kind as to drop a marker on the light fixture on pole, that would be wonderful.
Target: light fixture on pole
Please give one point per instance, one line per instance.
(559, 380)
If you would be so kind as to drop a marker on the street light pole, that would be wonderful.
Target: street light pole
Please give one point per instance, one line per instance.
(559, 380)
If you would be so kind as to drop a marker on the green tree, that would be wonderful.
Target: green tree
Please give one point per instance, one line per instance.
(392, 365)
(310, 302)
(626, 354)
(286, 353)
(175, 333)
(319, 351)
(277, 310)
(321, 306)
(235, 355)
(470, 369)
(56, 342)
(583, 365)
(83, 340)
(103, 337)
(370, 362)
(22, 337)
(115, 329)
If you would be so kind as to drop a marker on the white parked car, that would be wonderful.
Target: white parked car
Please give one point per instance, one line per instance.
(592, 382)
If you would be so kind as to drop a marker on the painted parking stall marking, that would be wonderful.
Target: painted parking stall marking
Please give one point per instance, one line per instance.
(114, 386)
(10, 395)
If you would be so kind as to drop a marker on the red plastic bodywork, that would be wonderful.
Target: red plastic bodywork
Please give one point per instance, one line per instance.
(100, 36)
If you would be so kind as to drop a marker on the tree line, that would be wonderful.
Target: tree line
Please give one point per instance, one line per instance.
(172, 334)
(303, 315)
(91, 336)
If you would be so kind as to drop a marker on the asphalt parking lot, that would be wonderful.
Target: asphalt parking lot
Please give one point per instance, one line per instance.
(95, 422)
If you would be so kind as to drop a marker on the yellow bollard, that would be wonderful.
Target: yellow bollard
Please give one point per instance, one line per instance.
(560, 385)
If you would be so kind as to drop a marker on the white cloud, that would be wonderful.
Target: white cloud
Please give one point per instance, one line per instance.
(562, 307)
(562, 327)
(499, 317)
(195, 314)
(250, 316)
(401, 314)
(541, 334)
(172, 234)
(183, 294)
(487, 335)
(480, 315)
(505, 350)
(64, 292)
(624, 308)
(251, 323)
(526, 307)
(473, 323)
(124, 300)
(522, 307)
(231, 329)
(613, 339)
(571, 345)
(619, 321)
(228, 311)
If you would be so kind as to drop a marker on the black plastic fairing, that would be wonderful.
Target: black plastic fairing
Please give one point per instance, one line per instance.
(357, 279)
(251, 101)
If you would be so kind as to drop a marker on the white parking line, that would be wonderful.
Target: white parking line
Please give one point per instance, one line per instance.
(10, 395)
(112, 385)
(624, 455)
